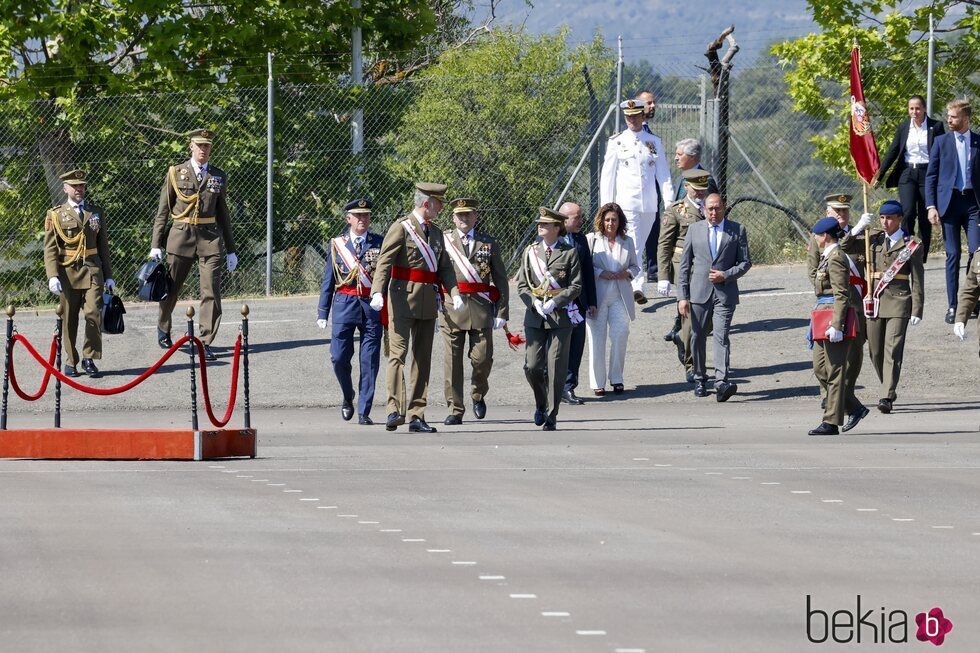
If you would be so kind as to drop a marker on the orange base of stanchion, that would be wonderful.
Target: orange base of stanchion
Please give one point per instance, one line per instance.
(127, 444)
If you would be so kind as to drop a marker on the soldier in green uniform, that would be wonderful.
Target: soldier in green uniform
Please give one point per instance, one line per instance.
(549, 280)
(194, 203)
(411, 265)
(482, 281)
(898, 291)
(834, 291)
(677, 218)
(76, 260)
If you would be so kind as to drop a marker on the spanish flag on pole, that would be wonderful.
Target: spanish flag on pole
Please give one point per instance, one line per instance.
(864, 152)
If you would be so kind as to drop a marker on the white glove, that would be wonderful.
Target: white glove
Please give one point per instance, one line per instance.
(322, 324)
(862, 224)
(959, 330)
(539, 308)
(913, 321)
(54, 285)
(377, 301)
(457, 303)
(549, 307)
(110, 284)
(499, 323)
(663, 287)
(232, 262)
(834, 335)
(156, 254)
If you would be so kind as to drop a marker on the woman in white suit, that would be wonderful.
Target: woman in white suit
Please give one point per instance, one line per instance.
(614, 260)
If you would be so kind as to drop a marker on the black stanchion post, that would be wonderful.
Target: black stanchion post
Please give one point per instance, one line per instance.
(6, 366)
(58, 333)
(191, 346)
(248, 408)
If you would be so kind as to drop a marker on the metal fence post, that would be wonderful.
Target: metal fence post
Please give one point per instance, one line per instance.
(269, 154)
(58, 334)
(248, 406)
(191, 346)
(6, 366)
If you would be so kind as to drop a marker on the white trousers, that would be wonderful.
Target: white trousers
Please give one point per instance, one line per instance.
(639, 224)
(613, 321)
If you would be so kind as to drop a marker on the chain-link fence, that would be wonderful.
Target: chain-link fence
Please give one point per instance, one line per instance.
(509, 138)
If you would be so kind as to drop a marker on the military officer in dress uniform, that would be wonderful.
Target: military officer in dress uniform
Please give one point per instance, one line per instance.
(677, 218)
(76, 260)
(411, 265)
(834, 290)
(346, 289)
(635, 163)
(898, 292)
(482, 281)
(549, 280)
(194, 199)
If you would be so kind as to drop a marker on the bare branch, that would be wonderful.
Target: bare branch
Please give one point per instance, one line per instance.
(115, 61)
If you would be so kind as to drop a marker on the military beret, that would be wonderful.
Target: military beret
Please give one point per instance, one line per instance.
(891, 207)
(631, 107)
(437, 191)
(547, 216)
(463, 205)
(696, 178)
(74, 177)
(361, 205)
(838, 200)
(827, 225)
(202, 136)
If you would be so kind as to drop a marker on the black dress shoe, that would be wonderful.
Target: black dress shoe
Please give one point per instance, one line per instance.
(479, 409)
(569, 397)
(549, 426)
(639, 297)
(163, 339)
(418, 425)
(679, 343)
(347, 410)
(824, 429)
(89, 366)
(669, 336)
(452, 420)
(885, 405)
(393, 421)
(71, 371)
(364, 420)
(539, 417)
(950, 315)
(699, 389)
(725, 391)
(208, 354)
(618, 388)
(854, 418)
(689, 375)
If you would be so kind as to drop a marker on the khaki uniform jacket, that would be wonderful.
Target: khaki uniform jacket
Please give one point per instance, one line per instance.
(832, 276)
(411, 299)
(477, 312)
(188, 239)
(969, 292)
(902, 297)
(852, 246)
(95, 268)
(565, 268)
(677, 218)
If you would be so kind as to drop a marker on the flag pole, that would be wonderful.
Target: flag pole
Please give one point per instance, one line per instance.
(867, 245)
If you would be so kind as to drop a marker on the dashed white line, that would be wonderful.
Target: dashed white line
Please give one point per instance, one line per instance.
(216, 466)
(326, 507)
(741, 478)
(260, 480)
(770, 483)
(438, 550)
(902, 519)
(389, 530)
(292, 490)
(464, 562)
(867, 510)
(630, 650)
(943, 527)
(348, 516)
(243, 476)
(276, 484)
(974, 533)
(800, 492)
(369, 522)
(413, 539)
(555, 614)
(588, 633)
(640, 459)
(523, 596)
(308, 499)
(832, 500)
(505, 578)
(713, 474)
(661, 465)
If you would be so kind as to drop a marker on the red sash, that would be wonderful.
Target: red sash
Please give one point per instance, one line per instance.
(466, 287)
(411, 274)
(352, 290)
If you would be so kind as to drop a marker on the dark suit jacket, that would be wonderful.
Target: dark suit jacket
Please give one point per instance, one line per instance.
(588, 296)
(943, 166)
(732, 258)
(896, 153)
(347, 309)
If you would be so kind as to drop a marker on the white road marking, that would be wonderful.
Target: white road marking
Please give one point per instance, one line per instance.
(590, 632)
(413, 539)
(505, 578)
(778, 294)
(464, 562)
(438, 551)
(243, 476)
(216, 466)
(368, 522)
(260, 480)
(348, 516)
(902, 519)
(292, 490)
(975, 533)
(800, 492)
(943, 527)
(741, 478)
(661, 465)
(555, 614)
(712, 473)
(832, 500)
(327, 507)
(308, 499)
(771, 483)
(389, 530)
(231, 471)
(639, 459)
(867, 510)
(630, 650)
(276, 484)
(523, 596)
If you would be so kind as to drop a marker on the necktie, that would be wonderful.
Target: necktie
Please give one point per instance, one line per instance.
(200, 175)
(358, 245)
(962, 156)
(547, 256)
(425, 227)
(466, 243)
(712, 241)
(80, 210)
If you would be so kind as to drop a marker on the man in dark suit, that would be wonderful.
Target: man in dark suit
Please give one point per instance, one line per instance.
(687, 156)
(909, 152)
(586, 301)
(952, 183)
(346, 290)
(716, 255)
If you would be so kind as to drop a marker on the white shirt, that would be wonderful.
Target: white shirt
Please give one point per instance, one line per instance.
(468, 244)
(917, 144)
(716, 233)
(199, 170)
(418, 216)
(77, 207)
(895, 238)
(829, 248)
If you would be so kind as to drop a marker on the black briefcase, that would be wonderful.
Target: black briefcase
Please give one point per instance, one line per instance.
(154, 282)
(112, 314)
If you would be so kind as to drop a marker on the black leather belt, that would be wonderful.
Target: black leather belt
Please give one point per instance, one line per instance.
(916, 166)
(968, 191)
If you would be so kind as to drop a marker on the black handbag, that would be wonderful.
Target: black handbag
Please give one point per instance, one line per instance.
(112, 314)
(154, 282)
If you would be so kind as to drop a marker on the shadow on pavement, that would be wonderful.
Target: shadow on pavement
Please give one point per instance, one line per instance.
(780, 324)
(262, 347)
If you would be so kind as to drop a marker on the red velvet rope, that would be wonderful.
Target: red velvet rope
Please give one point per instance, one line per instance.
(47, 374)
(233, 391)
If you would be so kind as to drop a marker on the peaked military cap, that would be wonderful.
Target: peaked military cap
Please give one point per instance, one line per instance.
(891, 207)
(838, 201)
(547, 216)
(696, 178)
(362, 205)
(74, 177)
(631, 107)
(202, 136)
(464, 205)
(437, 191)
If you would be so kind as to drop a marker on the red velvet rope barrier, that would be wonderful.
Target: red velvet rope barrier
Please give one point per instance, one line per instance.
(47, 374)
(233, 391)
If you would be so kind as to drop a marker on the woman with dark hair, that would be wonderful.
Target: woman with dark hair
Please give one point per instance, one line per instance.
(615, 266)
(909, 152)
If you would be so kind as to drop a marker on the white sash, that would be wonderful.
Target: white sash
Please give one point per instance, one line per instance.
(465, 266)
(542, 272)
(350, 261)
(424, 248)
